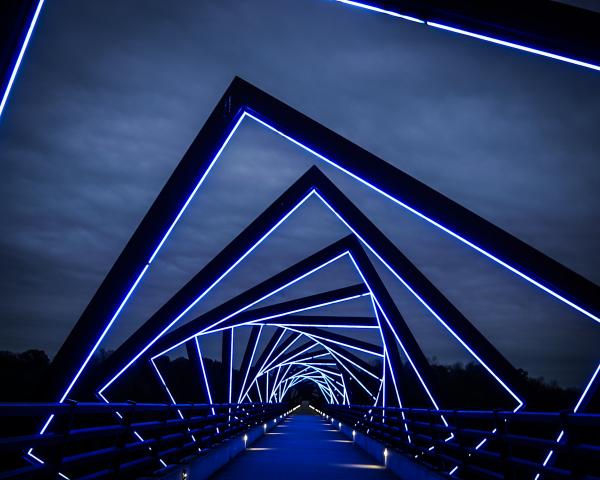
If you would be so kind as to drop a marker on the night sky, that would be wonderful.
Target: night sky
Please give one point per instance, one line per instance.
(111, 93)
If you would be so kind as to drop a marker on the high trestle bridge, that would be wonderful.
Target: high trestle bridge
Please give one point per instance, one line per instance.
(134, 414)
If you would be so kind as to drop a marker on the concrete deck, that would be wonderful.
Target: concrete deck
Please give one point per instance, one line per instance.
(303, 447)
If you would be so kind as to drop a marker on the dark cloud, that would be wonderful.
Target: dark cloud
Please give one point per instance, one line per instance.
(112, 93)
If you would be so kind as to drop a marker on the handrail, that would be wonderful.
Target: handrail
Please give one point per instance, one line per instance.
(467, 444)
(118, 440)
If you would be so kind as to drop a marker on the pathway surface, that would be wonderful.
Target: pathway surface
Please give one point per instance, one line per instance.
(303, 447)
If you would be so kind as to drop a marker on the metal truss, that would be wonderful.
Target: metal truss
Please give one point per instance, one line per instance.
(304, 346)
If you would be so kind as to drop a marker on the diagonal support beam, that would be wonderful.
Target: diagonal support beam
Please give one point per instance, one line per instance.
(243, 100)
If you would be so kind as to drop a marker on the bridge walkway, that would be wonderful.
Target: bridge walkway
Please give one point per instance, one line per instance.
(303, 447)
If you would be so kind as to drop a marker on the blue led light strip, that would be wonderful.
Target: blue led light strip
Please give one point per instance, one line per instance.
(306, 148)
(17, 64)
(381, 10)
(423, 302)
(584, 394)
(516, 46)
(228, 138)
(478, 36)
(164, 384)
(426, 218)
(211, 329)
(336, 356)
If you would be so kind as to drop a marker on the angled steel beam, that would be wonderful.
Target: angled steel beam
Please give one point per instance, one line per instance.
(339, 339)
(344, 359)
(417, 283)
(198, 387)
(242, 100)
(146, 336)
(227, 362)
(326, 321)
(202, 323)
(280, 349)
(251, 347)
(300, 352)
(420, 199)
(551, 29)
(414, 280)
(268, 314)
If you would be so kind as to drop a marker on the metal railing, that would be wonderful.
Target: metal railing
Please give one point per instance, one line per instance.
(485, 444)
(116, 440)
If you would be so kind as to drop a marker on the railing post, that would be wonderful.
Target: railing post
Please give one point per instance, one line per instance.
(464, 455)
(65, 429)
(505, 446)
(121, 440)
(569, 439)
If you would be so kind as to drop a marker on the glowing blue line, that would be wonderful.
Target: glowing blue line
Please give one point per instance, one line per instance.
(303, 361)
(257, 388)
(267, 365)
(275, 384)
(354, 347)
(265, 321)
(171, 396)
(282, 378)
(381, 10)
(317, 366)
(211, 329)
(335, 355)
(423, 302)
(424, 217)
(250, 250)
(478, 36)
(198, 185)
(162, 380)
(317, 325)
(344, 357)
(587, 389)
(204, 376)
(249, 364)
(312, 307)
(288, 361)
(575, 410)
(17, 65)
(389, 362)
(516, 46)
(97, 344)
(230, 364)
(91, 353)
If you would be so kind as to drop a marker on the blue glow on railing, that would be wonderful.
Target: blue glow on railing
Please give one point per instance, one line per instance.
(17, 65)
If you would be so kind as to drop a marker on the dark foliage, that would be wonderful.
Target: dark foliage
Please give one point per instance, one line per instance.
(460, 386)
